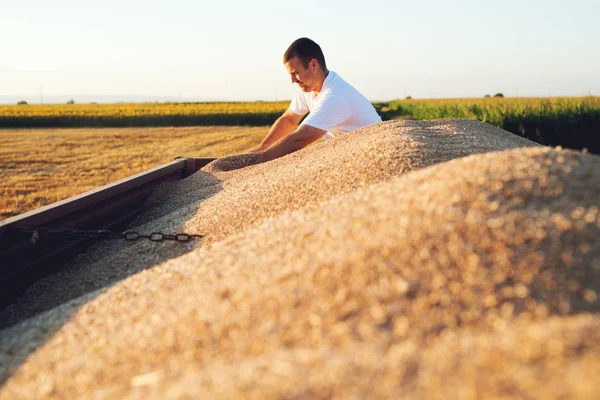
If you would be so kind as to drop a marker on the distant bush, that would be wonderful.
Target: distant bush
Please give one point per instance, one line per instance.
(71, 101)
(22, 103)
(408, 97)
(487, 96)
(498, 95)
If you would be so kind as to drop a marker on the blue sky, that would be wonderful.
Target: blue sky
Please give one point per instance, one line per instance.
(232, 50)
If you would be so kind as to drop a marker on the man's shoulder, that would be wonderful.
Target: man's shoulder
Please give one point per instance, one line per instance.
(335, 80)
(338, 86)
(333, 103)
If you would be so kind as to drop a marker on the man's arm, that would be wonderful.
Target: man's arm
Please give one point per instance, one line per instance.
(284, 125)
(301, 138)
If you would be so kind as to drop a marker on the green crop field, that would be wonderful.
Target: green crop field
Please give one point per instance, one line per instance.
(572, 122)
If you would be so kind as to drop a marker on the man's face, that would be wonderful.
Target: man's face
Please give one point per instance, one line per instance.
(306, 78)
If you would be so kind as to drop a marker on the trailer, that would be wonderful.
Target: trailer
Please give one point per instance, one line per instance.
(37, 243)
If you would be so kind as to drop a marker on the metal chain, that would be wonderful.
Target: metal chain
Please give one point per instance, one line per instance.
(132, 236)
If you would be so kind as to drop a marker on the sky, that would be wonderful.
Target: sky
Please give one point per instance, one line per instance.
(193, 50)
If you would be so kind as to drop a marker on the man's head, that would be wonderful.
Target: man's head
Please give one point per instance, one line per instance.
(305, 62)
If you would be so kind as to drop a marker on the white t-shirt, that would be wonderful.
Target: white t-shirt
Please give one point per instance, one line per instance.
(339, 108)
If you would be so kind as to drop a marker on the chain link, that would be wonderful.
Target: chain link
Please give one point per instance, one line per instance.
(101, 234)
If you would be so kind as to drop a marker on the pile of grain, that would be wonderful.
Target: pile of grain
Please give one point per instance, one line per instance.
(472, 277)
(218, 203)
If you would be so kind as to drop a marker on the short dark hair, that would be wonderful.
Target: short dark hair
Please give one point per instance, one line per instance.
(305, 49)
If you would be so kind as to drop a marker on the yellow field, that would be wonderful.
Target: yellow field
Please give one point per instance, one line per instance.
(42, 166)
(257, 113)
(142, 109)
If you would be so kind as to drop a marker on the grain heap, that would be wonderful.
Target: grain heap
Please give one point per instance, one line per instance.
(333, 272)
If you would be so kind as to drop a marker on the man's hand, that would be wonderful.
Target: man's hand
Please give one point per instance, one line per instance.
(231, 163)
(301, 138)
(282, 127)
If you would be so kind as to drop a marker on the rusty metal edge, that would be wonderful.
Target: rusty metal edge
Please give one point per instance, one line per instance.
(108, 206)
(45, 214)
(61, 208)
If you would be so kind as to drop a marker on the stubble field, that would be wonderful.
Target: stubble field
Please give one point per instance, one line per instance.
(42, 166)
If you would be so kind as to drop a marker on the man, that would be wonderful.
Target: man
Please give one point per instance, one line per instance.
(335, 107)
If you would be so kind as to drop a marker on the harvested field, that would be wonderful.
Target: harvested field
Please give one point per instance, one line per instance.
(42, 166)
(439, 259)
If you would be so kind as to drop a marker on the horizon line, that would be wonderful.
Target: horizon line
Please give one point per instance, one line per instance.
(52, 99)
